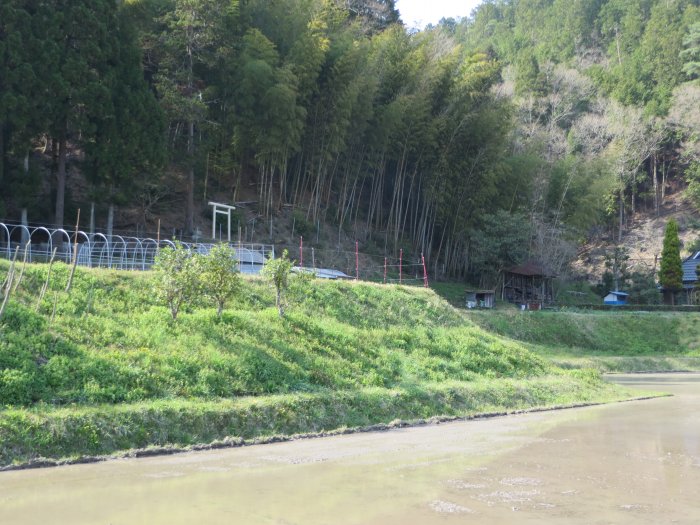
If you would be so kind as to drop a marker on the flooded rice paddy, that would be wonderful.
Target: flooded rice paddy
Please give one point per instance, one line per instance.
(635, 462)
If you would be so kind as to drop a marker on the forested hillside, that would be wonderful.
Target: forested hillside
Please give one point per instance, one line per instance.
(512, 134)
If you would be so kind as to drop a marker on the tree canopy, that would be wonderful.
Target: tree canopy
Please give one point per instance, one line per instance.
(562, 118)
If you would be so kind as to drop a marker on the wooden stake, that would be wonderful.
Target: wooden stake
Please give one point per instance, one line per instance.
(8, 283)
(75, 254)
(24, 265)
(357, 261)
(48, 279)
(53, 312)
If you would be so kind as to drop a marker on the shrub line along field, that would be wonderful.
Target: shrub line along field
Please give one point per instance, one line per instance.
(104, 367)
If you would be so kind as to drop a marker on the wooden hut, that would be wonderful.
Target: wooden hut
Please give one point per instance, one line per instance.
(480, 298)
(528, 284)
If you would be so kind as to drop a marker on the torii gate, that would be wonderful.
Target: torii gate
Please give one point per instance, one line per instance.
(221, 209)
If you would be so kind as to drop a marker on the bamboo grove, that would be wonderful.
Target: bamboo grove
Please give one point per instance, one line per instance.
(478, 142)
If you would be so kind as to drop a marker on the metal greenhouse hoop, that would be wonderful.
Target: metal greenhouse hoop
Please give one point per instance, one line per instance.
(49, 238)
(65, 253)
(7, 234)
(110, 251)
(104, 244)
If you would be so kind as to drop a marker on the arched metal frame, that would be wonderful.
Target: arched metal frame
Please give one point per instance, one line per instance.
(103, 259)
(25, 231)
(150, 250)
(100, 250)
(114, 246)
(64, 253)
(79, 236)
(25, 244)
(9, 241)
(49, 238)
(133, 257)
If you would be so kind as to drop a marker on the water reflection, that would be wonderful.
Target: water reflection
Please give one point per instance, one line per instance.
(623, 463)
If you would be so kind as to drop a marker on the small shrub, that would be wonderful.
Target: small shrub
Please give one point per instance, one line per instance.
(219, 275)
(15, 387)
(277, 271)
(177, 277)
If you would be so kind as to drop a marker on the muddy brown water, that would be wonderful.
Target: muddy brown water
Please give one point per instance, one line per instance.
(635, 462)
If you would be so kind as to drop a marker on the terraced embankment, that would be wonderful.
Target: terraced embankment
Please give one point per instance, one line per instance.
(103, 368)
(608, 341)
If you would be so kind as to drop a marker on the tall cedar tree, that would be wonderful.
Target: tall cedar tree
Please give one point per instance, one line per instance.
(128, 142)
(21, 116)
(191, 33)
(671, 270)
(79, 41)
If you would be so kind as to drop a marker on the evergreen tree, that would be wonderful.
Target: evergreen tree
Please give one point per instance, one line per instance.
(192, 30)
(529, 78)
(691, 52)
(22, 96)
(376, 15)
(671, 269)
(78, 45)
(127, 146)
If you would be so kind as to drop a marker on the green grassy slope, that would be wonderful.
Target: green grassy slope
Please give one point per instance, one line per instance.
(611, 341)
(110, 342)
(345, 354)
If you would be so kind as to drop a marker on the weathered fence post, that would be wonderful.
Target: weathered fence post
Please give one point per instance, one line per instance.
(75, 254)
(357, 261)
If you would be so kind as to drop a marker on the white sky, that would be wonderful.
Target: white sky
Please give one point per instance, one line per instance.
(419, 13)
